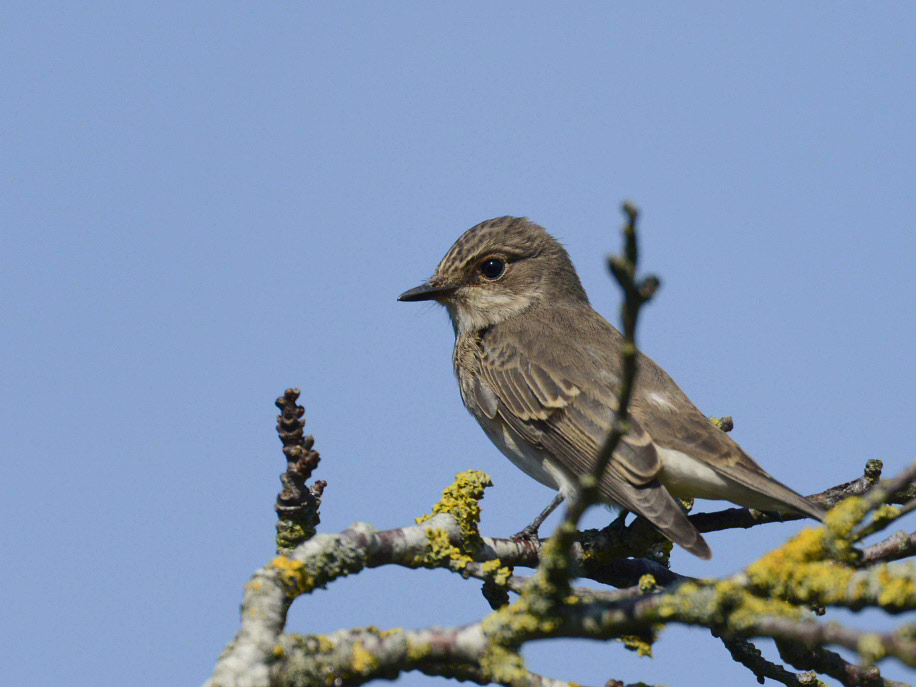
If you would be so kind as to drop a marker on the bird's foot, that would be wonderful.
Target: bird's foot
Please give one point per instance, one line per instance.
(530, 532)
(527, 533)
(617, 526)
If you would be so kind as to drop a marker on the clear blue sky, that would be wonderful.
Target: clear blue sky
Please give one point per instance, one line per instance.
(205, 203)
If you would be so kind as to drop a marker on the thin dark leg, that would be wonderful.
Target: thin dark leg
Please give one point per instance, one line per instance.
(531, 530)
(618, 525)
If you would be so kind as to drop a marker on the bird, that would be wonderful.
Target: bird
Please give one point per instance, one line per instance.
(540, 371)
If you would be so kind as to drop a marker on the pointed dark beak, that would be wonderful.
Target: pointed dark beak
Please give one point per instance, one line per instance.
(426, 292)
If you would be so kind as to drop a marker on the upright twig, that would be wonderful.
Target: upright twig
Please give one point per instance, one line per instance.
(635, 295)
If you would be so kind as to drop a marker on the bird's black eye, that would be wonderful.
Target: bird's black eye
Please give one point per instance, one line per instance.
(492, 268)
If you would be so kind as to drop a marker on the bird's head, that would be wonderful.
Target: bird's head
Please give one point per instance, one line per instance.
(499, 269)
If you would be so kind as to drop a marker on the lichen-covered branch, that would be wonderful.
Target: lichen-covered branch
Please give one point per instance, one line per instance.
(870, 646)
(487, 650)
(353, 657)
(798, 574)
(440, 540)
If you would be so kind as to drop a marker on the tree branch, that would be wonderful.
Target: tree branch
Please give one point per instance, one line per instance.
(354, 657)
(832, 664)
(898, 545)
(750, 657)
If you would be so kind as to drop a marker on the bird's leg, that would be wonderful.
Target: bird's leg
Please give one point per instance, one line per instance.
(530, 531)
(618, 525)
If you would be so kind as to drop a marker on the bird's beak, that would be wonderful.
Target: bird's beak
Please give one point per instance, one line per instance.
(427, 292)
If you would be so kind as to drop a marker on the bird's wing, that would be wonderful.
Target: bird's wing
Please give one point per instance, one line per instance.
(678, 424)
(569, 420)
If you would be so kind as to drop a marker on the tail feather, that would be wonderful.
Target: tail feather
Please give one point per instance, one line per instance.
(777, 491)
(653, 502)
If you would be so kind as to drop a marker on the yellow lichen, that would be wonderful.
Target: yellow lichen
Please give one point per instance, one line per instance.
(416, 652)
(380, 633)
(737, 608)
(818, 566)
(896, 589)
(497, 572)
(290, 534)
(886, 512)
(503, 666)
(840, 520)
(361, 660)
(798, 571)
(724, 603)
(551, 579)
(640, 645)
(668, 604)
(530, 616)
(869, 648)
(325, 645)
(292, 575)
(462, 500)
(441, 553)
(647, 583)
(882, 516)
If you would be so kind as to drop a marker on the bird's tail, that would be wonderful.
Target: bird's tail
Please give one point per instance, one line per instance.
(655, 504)
(776, 495)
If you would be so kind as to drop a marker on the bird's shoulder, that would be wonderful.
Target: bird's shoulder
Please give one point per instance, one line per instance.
(570, 348)
(554, 369)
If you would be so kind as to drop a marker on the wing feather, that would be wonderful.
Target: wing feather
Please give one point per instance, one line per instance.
(552, 412)
(681, 426)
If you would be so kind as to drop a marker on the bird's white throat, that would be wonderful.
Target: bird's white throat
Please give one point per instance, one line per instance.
(484, 309)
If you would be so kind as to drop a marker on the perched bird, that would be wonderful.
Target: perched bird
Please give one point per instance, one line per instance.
(540, 370)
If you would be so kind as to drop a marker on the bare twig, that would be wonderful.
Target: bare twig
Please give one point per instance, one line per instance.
(873, 645)
(634, 297)
(898, 545)
(830, 663)
(297, 504)
(898, 489)
(750, 657)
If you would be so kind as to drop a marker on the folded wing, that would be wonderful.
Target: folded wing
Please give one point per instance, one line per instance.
(570, 421)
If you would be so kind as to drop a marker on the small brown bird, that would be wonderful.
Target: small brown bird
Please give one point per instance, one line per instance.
(540, 371)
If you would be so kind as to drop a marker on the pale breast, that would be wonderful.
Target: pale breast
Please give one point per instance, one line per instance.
(483, 405)
(530, 460)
